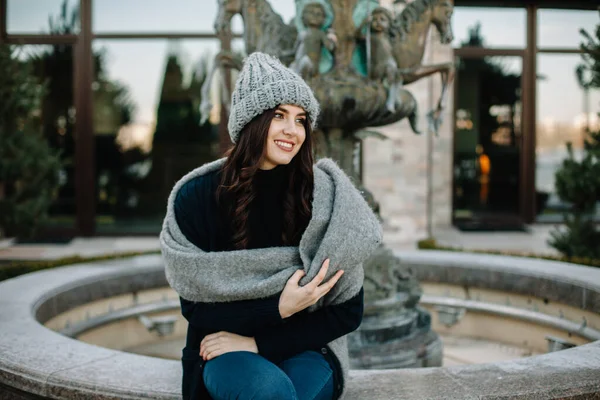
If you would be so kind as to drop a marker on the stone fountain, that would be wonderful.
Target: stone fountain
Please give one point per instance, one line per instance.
(358, 57)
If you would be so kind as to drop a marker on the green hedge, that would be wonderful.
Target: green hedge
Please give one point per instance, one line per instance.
(16, 268)
(431, 244)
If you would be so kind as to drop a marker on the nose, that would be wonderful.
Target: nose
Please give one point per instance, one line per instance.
(290, 127)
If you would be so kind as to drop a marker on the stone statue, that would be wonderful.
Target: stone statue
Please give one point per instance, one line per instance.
(382, 65)
(311, 41)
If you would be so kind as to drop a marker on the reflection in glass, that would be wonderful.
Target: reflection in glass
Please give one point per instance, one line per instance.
(186, 16)
(494, 28)
(560, 28)
(487, 137)
(42, 16)
(53, 66)
(564, 111)
(154, 15)
(147, 126)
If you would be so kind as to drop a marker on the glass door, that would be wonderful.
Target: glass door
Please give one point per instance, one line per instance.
(487, 143)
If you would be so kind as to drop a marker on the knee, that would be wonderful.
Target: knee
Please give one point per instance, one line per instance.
(273, 388)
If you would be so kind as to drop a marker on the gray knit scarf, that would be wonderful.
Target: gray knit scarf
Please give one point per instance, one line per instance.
(343, 228)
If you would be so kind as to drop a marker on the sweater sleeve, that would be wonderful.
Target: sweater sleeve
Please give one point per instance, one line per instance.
(193, 210)
(310, 331)
(235, 317)
(190, 205)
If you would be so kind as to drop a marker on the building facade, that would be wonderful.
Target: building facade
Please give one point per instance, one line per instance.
(124, 91)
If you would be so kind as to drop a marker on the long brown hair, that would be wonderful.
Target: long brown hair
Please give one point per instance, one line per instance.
(236, 190)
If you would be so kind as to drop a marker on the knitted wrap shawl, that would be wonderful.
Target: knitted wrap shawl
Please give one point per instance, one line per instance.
(343, 228)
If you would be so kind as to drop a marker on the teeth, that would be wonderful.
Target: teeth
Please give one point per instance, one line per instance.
(283, 144)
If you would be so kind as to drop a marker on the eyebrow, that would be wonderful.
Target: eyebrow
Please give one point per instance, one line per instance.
(283, 110)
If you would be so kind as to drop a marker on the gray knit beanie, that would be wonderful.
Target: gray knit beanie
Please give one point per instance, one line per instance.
(264, 83)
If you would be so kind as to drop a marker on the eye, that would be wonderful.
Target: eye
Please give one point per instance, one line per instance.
(300, 121)
(278, 115)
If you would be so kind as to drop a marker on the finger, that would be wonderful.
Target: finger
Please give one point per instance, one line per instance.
(334, 279)
(206, 338)
(204, 349)
(213, 347)
(210, 350)
(320, 276)
(208, 341)
(211, 336)
(214, 352)
(294, 279)
(212, 355)
(326, 287)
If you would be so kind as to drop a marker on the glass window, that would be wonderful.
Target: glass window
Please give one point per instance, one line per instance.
(560, 28)
(186, 16)
(147, 126)
(487, 142)
(494, 30)
(154, 15)
(563, 112)
(42, 16)
(53, 65)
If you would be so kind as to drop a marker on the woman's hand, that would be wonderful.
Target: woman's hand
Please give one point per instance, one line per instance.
(220, 343)
(295, 298)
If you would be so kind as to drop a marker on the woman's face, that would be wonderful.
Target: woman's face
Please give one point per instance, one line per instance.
(285, 137)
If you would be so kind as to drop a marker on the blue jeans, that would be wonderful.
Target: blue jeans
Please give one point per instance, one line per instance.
(244, 375)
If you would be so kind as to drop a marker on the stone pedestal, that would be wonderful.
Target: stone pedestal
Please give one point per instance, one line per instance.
(395, 333)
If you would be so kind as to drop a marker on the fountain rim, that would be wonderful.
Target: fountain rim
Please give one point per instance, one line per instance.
(36, 360)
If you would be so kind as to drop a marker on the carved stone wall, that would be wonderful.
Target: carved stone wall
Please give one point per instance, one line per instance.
(395, 170)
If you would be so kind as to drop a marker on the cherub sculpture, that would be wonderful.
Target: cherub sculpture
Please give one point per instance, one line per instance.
(382, 66)
(311, 41)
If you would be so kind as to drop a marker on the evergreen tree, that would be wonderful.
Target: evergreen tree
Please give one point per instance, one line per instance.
(29, 168)
(578, 182)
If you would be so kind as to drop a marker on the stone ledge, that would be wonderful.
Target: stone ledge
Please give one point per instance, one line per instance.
(36, 362)
(570, 284)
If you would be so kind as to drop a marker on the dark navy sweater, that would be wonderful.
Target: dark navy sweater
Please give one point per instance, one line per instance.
(277, 339)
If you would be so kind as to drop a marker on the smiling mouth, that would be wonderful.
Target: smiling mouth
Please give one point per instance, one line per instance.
(285, 146)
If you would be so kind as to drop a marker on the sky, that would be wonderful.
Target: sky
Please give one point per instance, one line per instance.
(140, 63)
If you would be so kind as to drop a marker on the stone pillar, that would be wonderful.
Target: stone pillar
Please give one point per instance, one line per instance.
(395, 170)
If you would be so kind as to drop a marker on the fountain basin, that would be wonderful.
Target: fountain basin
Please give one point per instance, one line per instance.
(37, 362)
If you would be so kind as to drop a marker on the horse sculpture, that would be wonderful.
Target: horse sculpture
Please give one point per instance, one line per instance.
(264, 31)
(410, 33)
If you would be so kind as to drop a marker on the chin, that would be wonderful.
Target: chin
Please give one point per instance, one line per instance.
(284, 161)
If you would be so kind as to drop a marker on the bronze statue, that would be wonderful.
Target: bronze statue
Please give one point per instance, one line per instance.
(264, 30)
(410, 29)
(311, 42)
(382, 65)
(351, 100)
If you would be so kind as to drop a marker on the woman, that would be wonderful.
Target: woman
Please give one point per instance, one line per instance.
(265, 251)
